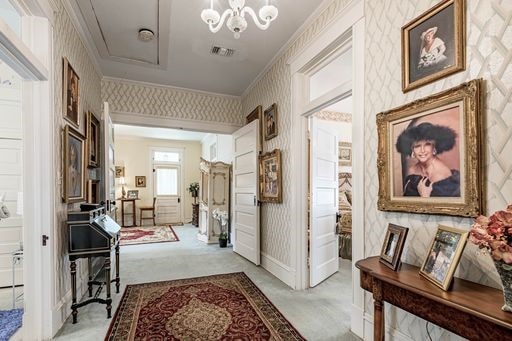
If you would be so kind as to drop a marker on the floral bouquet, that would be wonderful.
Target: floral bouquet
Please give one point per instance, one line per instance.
(494, 234)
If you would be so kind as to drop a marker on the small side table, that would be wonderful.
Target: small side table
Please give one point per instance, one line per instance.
(195, 215)
(132, 213)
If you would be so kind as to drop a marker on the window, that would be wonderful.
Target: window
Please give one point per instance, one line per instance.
(166, 181)
(166, 157)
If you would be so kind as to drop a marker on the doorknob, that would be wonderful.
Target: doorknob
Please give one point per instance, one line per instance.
(179, 200)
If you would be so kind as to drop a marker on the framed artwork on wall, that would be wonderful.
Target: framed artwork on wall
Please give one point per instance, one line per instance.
(271, 187)
(70, 94)
(430, 154)
(119, 172)
(270, 122)
(393, 245)
(73, 166)
(443, 256)
(140, 181)
(93, 140)
(433, 44)
(345, 154)
(133, 194)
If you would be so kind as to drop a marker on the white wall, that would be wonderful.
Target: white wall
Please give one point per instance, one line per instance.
(134, 153)
(223, 146)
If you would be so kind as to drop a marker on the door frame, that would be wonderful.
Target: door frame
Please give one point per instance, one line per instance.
(349, 21)
(180, 165)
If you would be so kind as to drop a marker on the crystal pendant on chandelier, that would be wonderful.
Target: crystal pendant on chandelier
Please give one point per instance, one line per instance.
(235, 16)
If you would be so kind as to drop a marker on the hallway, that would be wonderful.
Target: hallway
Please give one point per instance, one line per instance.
(330, 300)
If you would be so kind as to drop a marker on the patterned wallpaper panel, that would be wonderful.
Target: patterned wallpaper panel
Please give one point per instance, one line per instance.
(275, 87)
(67, 43)
(488, 54)
(160, 101)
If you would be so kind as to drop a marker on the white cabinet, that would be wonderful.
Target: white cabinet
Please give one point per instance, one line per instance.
(214, 193)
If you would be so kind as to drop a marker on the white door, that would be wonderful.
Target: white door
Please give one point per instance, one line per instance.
(324, 201)
(168, 194)
(246, 212)
(108, 159)
(11, 229)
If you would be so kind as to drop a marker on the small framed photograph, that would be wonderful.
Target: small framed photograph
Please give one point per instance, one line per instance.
(270, 122)
(271, 177)
(93, 140)
(430, 154)
(70, 95)
(393, 246)
(444, 255)
(74, 169)
(345, 154)
(140, 181)
(132, 194)
(433, 45)
(119, 172)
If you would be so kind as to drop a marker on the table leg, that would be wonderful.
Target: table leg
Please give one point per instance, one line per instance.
(73, 291)
(107, 283)
(378, 312)
(118, 280)
(89, 284)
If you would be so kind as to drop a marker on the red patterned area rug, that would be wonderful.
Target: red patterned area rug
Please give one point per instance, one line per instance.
(219, 307)
(147, 234)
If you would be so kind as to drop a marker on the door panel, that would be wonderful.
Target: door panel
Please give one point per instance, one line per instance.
(324, 201)
(108, 162)
(167, 190)
(246, 211)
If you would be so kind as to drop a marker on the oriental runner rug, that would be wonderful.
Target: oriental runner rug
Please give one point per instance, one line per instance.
(218, 307)
(147, 234)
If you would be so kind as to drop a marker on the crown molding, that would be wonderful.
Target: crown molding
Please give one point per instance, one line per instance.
(164, 86)
(309, 21)
(71, 8)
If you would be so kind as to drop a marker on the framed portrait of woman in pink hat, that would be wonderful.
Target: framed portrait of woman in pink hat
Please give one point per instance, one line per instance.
(433, 45)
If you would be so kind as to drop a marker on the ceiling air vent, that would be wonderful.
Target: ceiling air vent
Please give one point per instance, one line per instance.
(222, 51)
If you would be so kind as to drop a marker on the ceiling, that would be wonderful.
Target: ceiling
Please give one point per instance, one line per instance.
(180, 54)
(122, 130)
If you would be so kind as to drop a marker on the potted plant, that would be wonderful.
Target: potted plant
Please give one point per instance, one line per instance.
(193, 188)
(223, 239)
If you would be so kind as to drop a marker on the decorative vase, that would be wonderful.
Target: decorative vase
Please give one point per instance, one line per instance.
(505, 272)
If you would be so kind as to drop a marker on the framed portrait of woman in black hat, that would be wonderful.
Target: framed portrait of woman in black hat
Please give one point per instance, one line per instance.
(430, 154)
(433, 44)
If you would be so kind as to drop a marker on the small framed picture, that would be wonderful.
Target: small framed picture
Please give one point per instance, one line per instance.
(132, 194)
(444, 255)
(433, 45)
(270, 122)
(74, 169)
(119, 172)
(70, 95)
(270, 177)
(345, 154)
(140, 181)
(393, 246)
(93, 140)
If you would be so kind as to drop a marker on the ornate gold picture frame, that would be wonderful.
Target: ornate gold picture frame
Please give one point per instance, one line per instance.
(430, 157)
(433, 45)
(271, 185)
(73, 189)
(93, 140)
(70, 93)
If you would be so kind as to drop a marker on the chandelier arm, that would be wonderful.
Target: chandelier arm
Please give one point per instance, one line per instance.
(216, 29)
(250, 11)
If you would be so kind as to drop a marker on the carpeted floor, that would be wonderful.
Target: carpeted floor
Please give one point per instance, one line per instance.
(147, 234)
(10, 322)
(218, 307)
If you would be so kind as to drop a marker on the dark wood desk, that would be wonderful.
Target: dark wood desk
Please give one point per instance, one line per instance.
(470, 310)
(132, 213)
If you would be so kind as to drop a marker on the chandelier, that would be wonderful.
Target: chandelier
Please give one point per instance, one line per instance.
(236, 21)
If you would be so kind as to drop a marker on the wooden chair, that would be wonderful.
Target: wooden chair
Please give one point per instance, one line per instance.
(148, 208)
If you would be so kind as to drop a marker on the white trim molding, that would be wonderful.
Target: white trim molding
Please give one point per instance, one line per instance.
(278, 269)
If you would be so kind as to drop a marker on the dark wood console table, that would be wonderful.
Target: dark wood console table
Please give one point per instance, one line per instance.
(469, 309)
(132, 213)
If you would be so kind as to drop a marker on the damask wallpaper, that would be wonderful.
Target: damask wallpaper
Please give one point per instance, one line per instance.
(275, 87)
(168, 102)
(488, 55)
(67, 43)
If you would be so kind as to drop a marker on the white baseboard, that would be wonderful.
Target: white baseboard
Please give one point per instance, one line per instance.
(357, 320)
(390, 333)
(278, 269)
